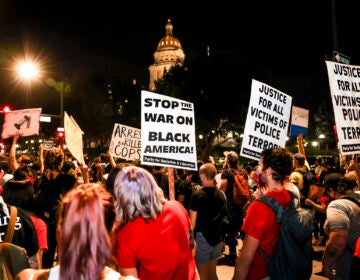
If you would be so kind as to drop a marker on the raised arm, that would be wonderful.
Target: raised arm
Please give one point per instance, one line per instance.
(12, 154)
(41, 158)
(301, 148)
(111, 159)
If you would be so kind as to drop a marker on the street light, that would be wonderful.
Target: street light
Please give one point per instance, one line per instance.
(28, 71)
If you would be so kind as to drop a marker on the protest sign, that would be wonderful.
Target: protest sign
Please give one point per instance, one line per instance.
(267, 120)
(344, 89)
(299, 121)
(125, 142)
(167, 131)
(26, 122)
(73, 138)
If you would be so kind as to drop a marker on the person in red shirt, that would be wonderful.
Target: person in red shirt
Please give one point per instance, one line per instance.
(260, 227)
(155, 239)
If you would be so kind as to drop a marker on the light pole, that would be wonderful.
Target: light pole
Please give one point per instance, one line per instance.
(62, 104)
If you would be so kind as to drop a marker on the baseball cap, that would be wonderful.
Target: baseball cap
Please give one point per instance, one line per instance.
(346, 183)
(331, 180)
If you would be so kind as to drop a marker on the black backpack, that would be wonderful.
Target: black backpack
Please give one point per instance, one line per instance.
(309, 179)
(293, 255)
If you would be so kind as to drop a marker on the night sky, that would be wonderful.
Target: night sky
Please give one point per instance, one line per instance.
(289, 42)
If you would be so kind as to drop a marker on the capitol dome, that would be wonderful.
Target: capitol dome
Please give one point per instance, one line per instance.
(169, 41)
(169, 53)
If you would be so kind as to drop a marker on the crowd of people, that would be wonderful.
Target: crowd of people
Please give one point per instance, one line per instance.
(112, 219)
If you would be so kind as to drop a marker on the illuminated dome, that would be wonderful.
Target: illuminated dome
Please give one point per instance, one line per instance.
(168, 54)
(169, 41)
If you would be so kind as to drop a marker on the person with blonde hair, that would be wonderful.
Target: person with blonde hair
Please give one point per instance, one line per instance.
(86, 218)
(155, 238)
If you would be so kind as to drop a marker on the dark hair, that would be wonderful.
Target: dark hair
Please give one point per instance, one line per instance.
(19, 192)
(233, 159)
(53, 159)
(68, 164)
(300, 158)
(279, 160)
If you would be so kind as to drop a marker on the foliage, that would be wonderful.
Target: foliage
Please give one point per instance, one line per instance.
(219, 109)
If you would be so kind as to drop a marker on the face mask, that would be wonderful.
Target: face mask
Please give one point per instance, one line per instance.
(260, 179)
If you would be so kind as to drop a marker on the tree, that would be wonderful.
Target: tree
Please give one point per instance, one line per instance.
(220, 107)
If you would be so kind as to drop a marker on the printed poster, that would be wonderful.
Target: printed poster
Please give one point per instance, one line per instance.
(167, 131)
(345, 96)
(267, 121)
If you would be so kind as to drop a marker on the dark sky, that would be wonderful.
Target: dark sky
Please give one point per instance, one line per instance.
(289, 41)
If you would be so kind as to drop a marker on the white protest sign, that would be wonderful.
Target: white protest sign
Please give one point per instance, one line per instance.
(125, 142)
(267, 120)
(26, 122)
(167, 131)
(345, 95)
(73, 138)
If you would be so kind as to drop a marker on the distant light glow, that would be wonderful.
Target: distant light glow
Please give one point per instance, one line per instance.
(28, 70)
(6, 109)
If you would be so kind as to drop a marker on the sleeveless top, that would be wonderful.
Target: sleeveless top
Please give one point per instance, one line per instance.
(109, 274)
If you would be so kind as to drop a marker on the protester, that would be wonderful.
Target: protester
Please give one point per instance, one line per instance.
(207, 211)
(235, 211)
(83, 232)
(23, 162)
(260, 226)
(155, 239)
(24, 234)
(51, 186)
(19, 192)
(187, 186)
(341, 226)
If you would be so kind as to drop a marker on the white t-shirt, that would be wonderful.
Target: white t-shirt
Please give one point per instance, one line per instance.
(110, 274)
(295, 190)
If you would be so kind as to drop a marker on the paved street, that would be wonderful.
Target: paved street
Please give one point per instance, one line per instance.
(226, 272)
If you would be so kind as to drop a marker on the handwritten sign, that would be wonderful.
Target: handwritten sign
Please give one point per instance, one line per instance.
(73, 138)
(125, 142)
(26, 122)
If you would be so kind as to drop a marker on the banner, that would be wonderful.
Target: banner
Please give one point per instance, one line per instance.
(267, 121)
(167, 132)
(299, 121)
(26, 122)
(125, 142)
(345, 96)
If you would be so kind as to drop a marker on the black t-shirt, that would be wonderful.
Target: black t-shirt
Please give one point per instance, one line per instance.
(210, 205)
(185, 189)
(49, 196)
(24, 235)
(228, 174)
